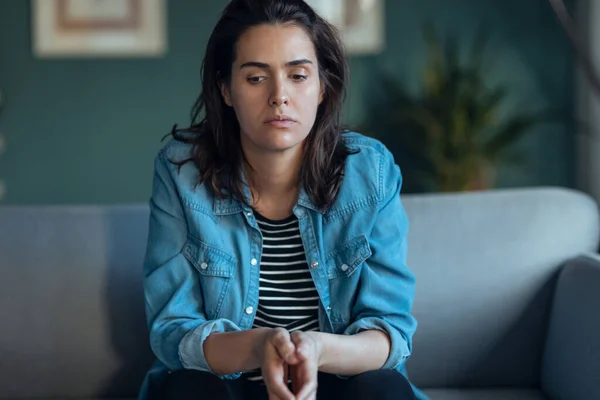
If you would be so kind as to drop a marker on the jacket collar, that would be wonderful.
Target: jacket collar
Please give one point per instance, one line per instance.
(305, 201)
(229, 205)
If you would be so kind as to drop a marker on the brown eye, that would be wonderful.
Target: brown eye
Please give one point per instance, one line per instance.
(255, 79)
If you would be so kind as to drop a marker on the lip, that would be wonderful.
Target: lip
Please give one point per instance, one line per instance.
(281, 121)
(285, 123)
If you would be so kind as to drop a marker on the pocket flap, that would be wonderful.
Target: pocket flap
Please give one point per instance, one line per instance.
(344, 260)
(208, 260)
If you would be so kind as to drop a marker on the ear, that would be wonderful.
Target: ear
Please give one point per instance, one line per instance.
(226, 94)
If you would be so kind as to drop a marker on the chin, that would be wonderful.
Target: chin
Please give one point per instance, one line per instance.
(282, 140)
(280, 147)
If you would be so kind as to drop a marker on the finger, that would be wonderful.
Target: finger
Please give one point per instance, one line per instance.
(286, 372)
(287, 352)
(296, 337)
(304, 351)
(280, 392)
(285, 347)
(307, 376)
(273, 376)
(308, 391)
(273, 371)
(303, 346)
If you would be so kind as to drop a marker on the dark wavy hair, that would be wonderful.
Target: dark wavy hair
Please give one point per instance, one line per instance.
(217, 151)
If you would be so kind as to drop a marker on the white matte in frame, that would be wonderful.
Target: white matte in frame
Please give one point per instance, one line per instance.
(148, 40)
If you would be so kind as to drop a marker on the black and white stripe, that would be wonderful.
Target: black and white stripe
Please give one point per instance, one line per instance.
(287, 295)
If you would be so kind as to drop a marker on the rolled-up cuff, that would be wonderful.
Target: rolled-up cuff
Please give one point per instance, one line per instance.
(191, 347)
(399, 348)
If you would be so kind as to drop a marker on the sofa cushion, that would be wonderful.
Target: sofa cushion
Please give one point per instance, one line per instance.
(485, 265)
(73, 307)
(485, 394)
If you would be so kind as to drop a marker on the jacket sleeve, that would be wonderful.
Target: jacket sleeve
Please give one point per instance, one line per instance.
(385, 299)
(173, 297)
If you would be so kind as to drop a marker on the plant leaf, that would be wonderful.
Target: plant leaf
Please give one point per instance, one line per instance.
(513, 130)
(480, 41)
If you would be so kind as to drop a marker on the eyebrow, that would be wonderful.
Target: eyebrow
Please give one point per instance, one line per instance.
(267, 66)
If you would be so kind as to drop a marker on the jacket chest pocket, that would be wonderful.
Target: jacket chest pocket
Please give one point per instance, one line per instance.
(343, 270)
(343, 262)
(215, 268)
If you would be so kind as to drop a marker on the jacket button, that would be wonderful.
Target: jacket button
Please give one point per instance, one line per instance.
(253, 261)
(204, 265)
(249, 310)
(344, 267)
(249, 213)
(314, 264)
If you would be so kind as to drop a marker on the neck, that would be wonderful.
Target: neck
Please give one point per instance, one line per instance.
(274, 175)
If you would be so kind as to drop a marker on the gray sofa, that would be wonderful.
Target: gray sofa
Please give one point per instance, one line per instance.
(508, 298)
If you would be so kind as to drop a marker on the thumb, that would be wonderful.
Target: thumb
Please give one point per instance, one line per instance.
(299, 344)
(286, 350)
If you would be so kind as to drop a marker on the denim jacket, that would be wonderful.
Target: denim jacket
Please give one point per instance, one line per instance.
(201, 269)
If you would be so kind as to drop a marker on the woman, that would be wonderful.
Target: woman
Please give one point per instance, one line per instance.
(275, 265)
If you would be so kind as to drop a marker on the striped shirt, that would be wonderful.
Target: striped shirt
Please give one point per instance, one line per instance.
(287, 294)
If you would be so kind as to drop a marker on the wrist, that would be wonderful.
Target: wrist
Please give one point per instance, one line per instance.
(320, 346)
(260, 341)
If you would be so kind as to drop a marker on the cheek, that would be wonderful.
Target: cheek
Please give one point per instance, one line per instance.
(242, 96)
(309, 98)
(246, 103)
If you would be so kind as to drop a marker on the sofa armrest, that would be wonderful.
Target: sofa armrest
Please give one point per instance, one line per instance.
(572, 354)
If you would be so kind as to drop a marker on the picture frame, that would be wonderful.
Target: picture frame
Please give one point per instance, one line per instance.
(361, 23)
(99, 28)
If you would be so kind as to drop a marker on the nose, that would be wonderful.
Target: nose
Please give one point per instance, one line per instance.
(279, 95)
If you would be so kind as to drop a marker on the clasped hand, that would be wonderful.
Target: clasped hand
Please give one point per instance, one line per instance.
(293, 355)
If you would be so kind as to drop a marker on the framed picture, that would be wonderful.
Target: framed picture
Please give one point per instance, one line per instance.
(99, 28)
(361, 22)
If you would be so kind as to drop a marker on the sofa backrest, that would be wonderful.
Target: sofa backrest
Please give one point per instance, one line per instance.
(485, 265)
(71, 302)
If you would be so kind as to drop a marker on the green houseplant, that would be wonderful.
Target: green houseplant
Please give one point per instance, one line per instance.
(452, 132)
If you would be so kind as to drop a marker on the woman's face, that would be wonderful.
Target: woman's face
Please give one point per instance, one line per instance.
(275, 88)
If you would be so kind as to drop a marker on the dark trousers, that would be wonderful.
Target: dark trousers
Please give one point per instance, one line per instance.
(196, 385)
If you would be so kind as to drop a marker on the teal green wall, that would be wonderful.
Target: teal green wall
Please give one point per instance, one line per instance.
(528, 51)
(86, 131)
